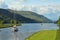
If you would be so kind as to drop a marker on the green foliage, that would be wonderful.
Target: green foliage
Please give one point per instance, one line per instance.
(13, 22)
(58, 35)
(10, 24)
(1, 23)
(58, 22)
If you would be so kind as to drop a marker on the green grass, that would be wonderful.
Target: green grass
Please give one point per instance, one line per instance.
(43, 35)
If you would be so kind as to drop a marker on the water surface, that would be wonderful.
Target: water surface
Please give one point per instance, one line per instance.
(25, 30)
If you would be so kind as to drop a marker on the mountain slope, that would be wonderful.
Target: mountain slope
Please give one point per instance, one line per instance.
(22, 16)
(33, 16)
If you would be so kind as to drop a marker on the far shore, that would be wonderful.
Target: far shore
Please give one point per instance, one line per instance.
(8, 25)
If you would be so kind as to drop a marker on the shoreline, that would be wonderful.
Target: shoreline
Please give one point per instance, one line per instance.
(8, 25)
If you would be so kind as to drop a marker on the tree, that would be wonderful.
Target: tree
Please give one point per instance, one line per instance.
(1, 23)
(59, 22)
(13, 22)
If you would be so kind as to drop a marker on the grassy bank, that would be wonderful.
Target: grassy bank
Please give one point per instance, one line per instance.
(43, 35)
(58, 35)
(8, 25)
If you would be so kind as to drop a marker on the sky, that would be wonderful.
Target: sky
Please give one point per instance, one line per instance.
(48, 8)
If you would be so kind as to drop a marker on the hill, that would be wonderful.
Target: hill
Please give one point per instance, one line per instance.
(22, 16)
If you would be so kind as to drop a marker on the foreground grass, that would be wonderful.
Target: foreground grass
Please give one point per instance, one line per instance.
(43, 35)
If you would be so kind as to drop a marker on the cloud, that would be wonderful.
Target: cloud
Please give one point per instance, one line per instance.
(42, 9)
(48, 9)
(44, 0)
(52, 11)
(21, 0)
(15, 6)
(1, 1)
(31, 7)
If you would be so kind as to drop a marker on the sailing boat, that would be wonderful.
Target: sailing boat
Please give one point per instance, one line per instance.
(15, 24)
(15, 28)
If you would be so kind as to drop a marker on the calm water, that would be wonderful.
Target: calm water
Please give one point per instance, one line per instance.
(25, 30)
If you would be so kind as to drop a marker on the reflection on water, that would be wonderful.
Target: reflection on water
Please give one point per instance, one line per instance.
(25, 30)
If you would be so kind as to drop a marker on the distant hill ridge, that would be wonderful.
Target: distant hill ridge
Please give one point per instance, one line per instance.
(23, 16)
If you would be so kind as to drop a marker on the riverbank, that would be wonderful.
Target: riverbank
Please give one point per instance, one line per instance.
(43, 35)
(8, 25)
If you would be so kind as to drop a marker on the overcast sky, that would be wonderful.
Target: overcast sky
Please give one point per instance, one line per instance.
(48, 8)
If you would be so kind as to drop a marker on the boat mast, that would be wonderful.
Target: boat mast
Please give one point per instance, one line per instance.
(14, 19)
